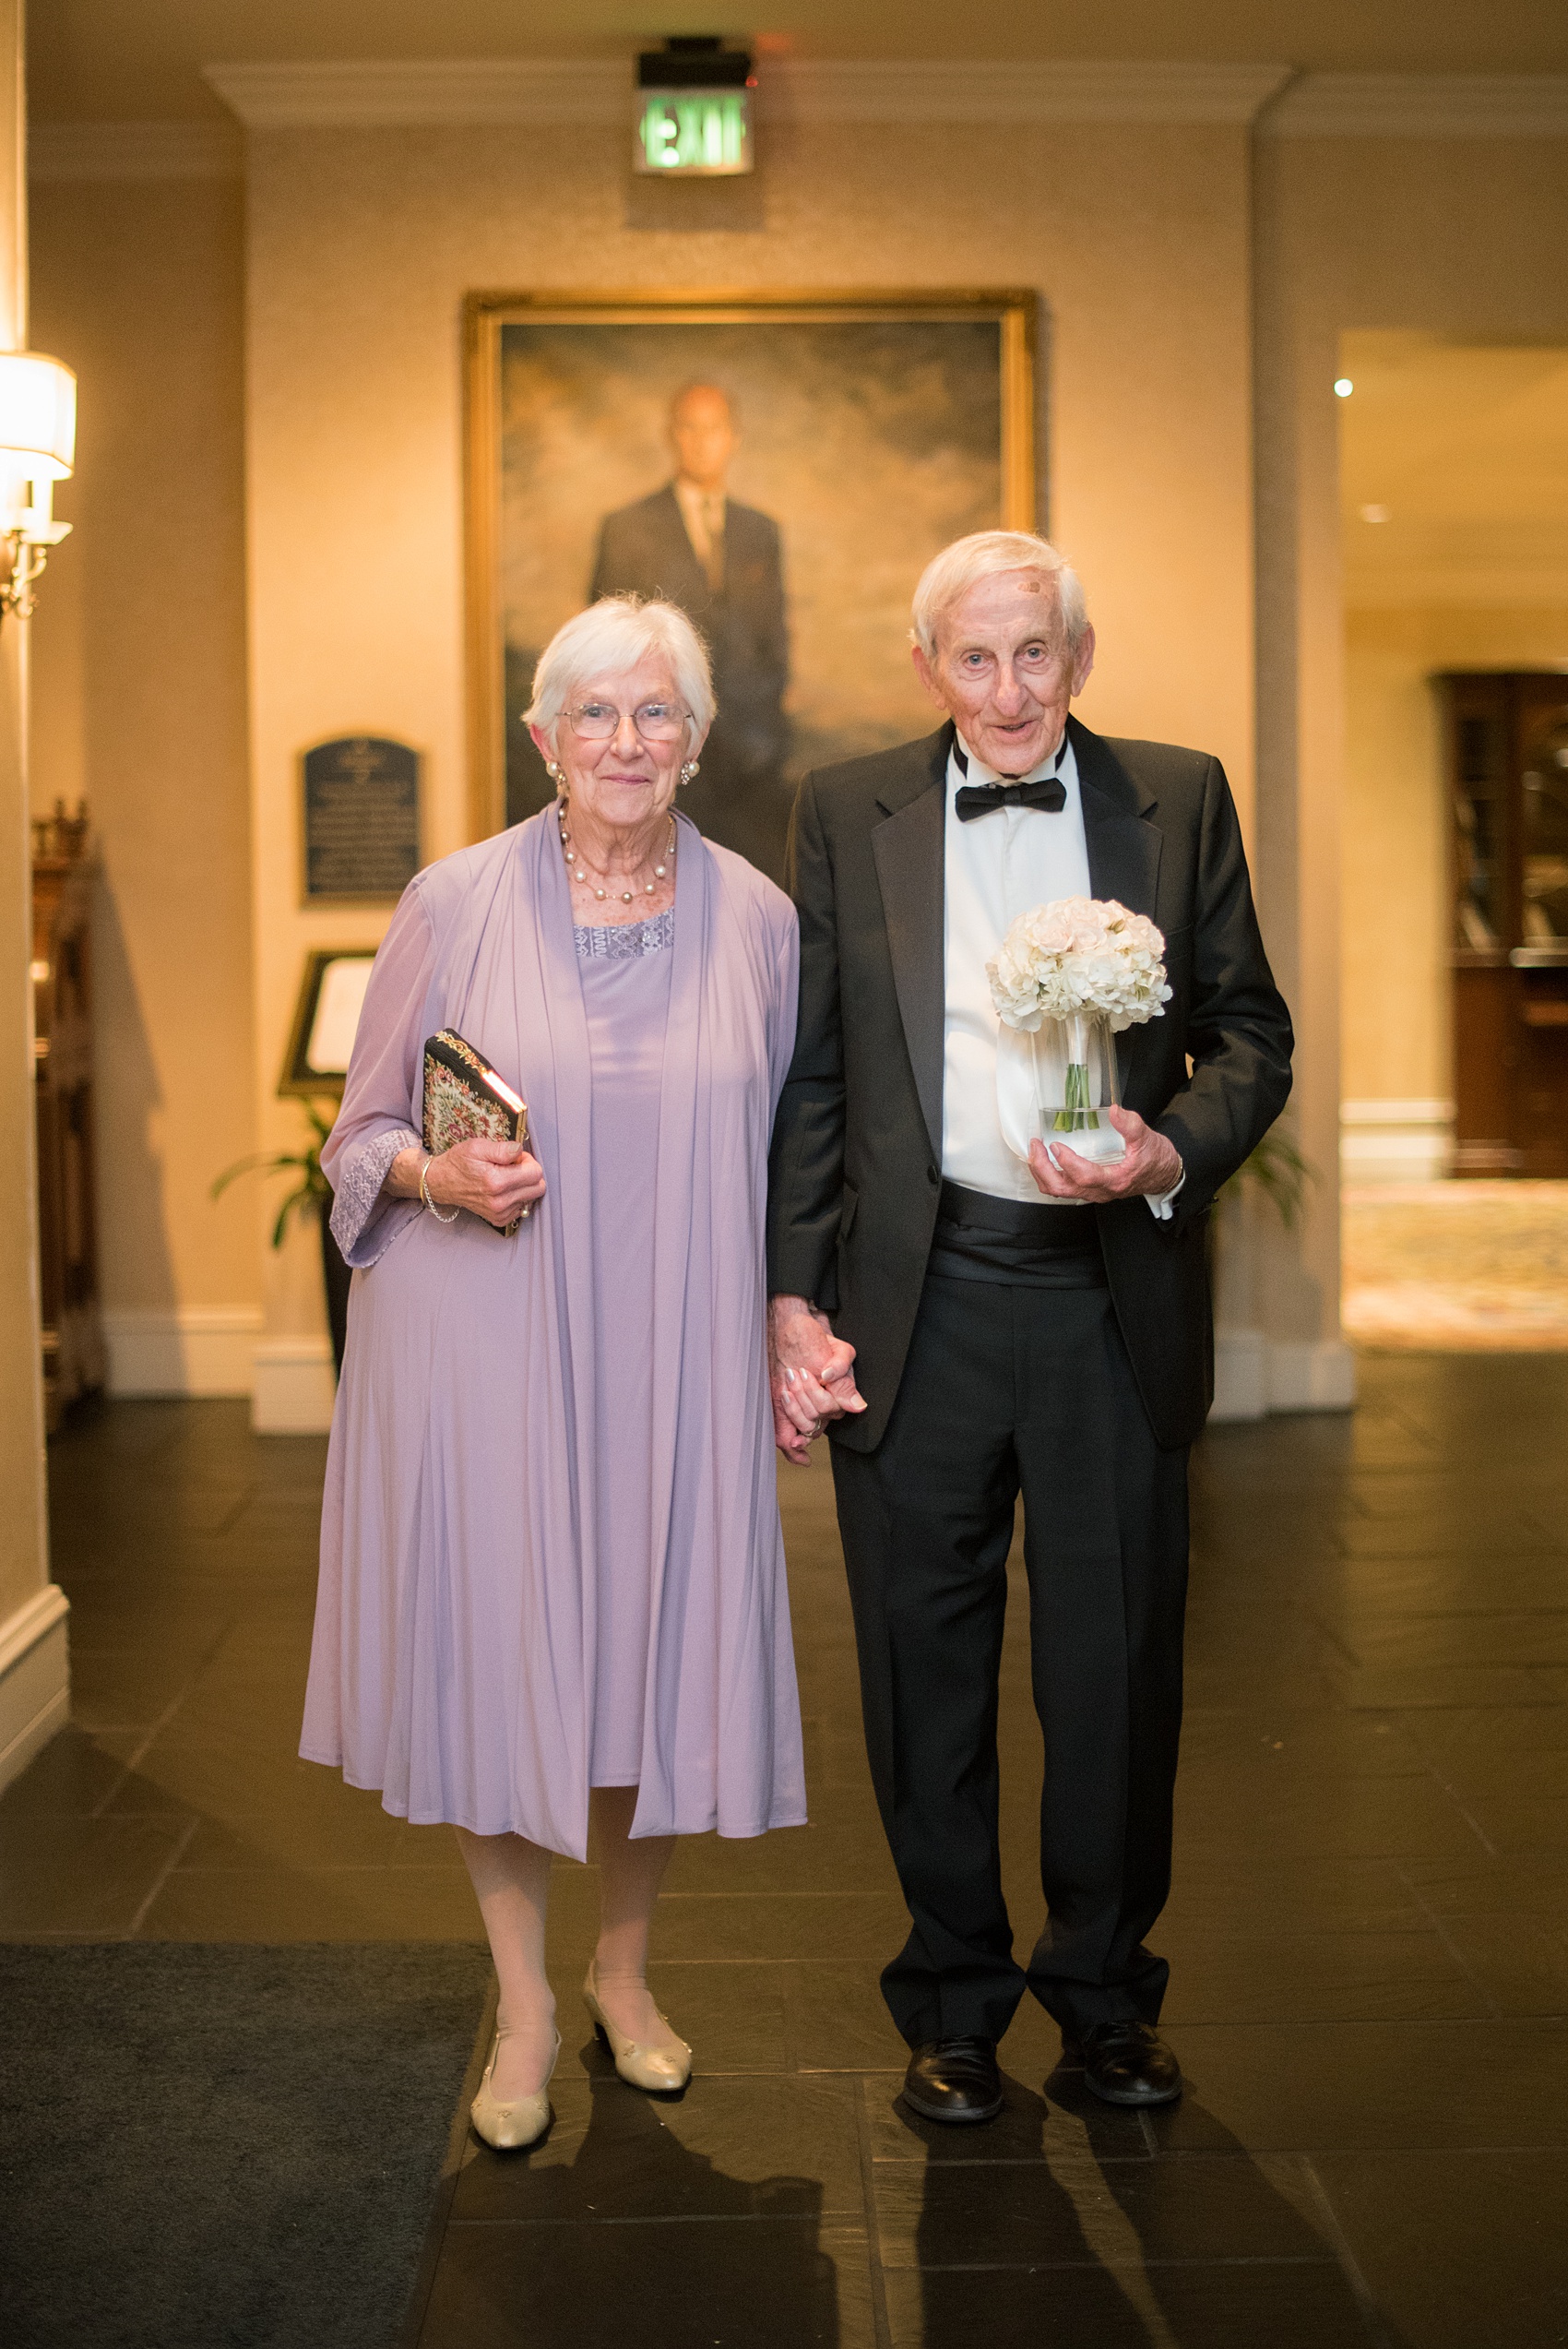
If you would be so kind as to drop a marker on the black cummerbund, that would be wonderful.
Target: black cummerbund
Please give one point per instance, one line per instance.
(1012, 1241)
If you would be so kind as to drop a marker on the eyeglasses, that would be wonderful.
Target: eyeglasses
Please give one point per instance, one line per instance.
(600, 721)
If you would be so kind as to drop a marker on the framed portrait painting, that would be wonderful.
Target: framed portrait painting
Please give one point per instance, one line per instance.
(782, 465)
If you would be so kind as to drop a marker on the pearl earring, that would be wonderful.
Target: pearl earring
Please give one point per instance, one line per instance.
(688, 770)
(552, 770)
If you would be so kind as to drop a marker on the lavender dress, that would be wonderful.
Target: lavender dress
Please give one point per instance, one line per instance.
(551, 1555)
(625, 979)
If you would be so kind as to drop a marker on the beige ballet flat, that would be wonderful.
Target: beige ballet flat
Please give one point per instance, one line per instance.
(659, 2069)
(510, 2127)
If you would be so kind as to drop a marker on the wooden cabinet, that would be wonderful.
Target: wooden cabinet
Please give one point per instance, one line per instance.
(1507, 762)
(62, 977)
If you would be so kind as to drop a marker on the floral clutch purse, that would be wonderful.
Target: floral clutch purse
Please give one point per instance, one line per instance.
(465, 1097)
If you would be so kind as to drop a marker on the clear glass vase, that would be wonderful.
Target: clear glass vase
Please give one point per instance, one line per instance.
(1057, 1084)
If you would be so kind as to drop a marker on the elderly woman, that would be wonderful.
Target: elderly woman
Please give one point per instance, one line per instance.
(551, 1574)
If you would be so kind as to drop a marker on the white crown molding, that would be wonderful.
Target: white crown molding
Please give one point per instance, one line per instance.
(433, 93)
(1043, 90)
(133, 151)
(1420, 106)
(424, 92)
(305, 97)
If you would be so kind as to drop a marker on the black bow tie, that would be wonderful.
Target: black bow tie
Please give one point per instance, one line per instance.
(979, 799)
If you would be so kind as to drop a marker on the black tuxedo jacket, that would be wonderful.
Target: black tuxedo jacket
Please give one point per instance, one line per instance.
(857, 1145)
(644, 550)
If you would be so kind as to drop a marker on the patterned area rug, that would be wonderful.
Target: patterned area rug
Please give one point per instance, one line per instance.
(1462, 1267)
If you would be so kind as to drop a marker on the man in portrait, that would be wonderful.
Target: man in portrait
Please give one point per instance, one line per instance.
(1037, 1330)
(692, 545)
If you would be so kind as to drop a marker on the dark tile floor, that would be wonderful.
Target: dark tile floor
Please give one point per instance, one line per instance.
(1369, 1932)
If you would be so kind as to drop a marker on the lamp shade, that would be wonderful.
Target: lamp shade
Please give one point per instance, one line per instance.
(38, 414)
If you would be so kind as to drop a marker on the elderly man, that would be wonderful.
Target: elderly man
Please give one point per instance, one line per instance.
(1040, 1330)
(721, 562)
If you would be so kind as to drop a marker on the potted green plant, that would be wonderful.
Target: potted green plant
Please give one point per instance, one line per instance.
(311, 1197)
(1279, 1170)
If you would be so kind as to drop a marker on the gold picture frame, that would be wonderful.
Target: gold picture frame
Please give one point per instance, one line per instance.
(342, 971)
(969, 355)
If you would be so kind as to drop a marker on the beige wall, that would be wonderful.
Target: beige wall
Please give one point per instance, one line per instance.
(1397, 1031)
(363, 242)
(23, 1529)
(140, 694)
(34, 1666)
(23, 1535)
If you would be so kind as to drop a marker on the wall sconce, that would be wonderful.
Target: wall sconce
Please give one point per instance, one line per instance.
(38, 448)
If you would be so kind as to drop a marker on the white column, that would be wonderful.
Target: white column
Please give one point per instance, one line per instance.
(1278, 1346)
(34, 1681)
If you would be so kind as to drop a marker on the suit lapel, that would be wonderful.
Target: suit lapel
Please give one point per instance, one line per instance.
(1123, 850)
(908, 846)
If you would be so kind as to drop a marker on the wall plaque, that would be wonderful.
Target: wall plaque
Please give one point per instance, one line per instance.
(361, 818)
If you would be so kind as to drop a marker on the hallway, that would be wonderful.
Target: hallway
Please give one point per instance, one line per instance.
(1470, 1266)
(1369, 1934)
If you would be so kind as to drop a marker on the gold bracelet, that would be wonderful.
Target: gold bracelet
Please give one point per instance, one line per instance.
(427, 1201)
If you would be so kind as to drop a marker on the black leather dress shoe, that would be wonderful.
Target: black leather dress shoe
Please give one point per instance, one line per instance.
(954, 2079)
(1127, 2063)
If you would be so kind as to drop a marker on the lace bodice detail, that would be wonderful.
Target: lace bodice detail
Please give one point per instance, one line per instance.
(621, 942)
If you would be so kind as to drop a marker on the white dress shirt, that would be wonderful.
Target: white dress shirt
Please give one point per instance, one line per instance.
(997, 866)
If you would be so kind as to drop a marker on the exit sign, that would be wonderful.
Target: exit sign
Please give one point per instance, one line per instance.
(687, 134)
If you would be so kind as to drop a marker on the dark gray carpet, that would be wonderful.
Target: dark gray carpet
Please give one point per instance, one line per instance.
(204, 2146)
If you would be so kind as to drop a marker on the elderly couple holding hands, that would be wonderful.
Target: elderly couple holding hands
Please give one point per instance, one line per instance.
(769, 1196)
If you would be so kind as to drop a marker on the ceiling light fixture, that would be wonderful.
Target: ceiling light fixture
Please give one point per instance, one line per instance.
(1344, 387)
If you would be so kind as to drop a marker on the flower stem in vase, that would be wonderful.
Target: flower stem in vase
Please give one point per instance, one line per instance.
(1077, 1114)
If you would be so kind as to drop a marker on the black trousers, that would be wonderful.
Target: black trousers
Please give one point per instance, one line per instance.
(1007, 1388)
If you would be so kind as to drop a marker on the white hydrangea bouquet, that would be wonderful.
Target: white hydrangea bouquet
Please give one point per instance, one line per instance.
(1066, 980)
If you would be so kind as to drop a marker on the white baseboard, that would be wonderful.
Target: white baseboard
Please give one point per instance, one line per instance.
(1311, 1374)
(1254, 1374)
(188, 1349)
(218, 1350)
(293, 1389)
(1240, 1375)
(1396, 1142)
(35, 1678)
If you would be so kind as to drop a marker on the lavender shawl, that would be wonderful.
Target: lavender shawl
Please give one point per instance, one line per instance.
(452, 1661)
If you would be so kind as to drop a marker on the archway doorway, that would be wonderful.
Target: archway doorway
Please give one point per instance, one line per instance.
(1454, 975)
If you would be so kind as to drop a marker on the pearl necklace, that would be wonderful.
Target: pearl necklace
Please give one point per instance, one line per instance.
(584, 879)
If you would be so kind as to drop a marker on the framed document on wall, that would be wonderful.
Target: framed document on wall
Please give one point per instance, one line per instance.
(327, 1016)
(782, 465)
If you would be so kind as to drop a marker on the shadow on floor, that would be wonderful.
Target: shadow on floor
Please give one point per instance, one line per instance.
(617, 2227)
(1069, 2222)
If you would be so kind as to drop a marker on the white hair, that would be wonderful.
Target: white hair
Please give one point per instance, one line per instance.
(949, 576)
(608, 640)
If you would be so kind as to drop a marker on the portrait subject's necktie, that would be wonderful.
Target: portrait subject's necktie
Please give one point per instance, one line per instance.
(713, 524)
(979, 799)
